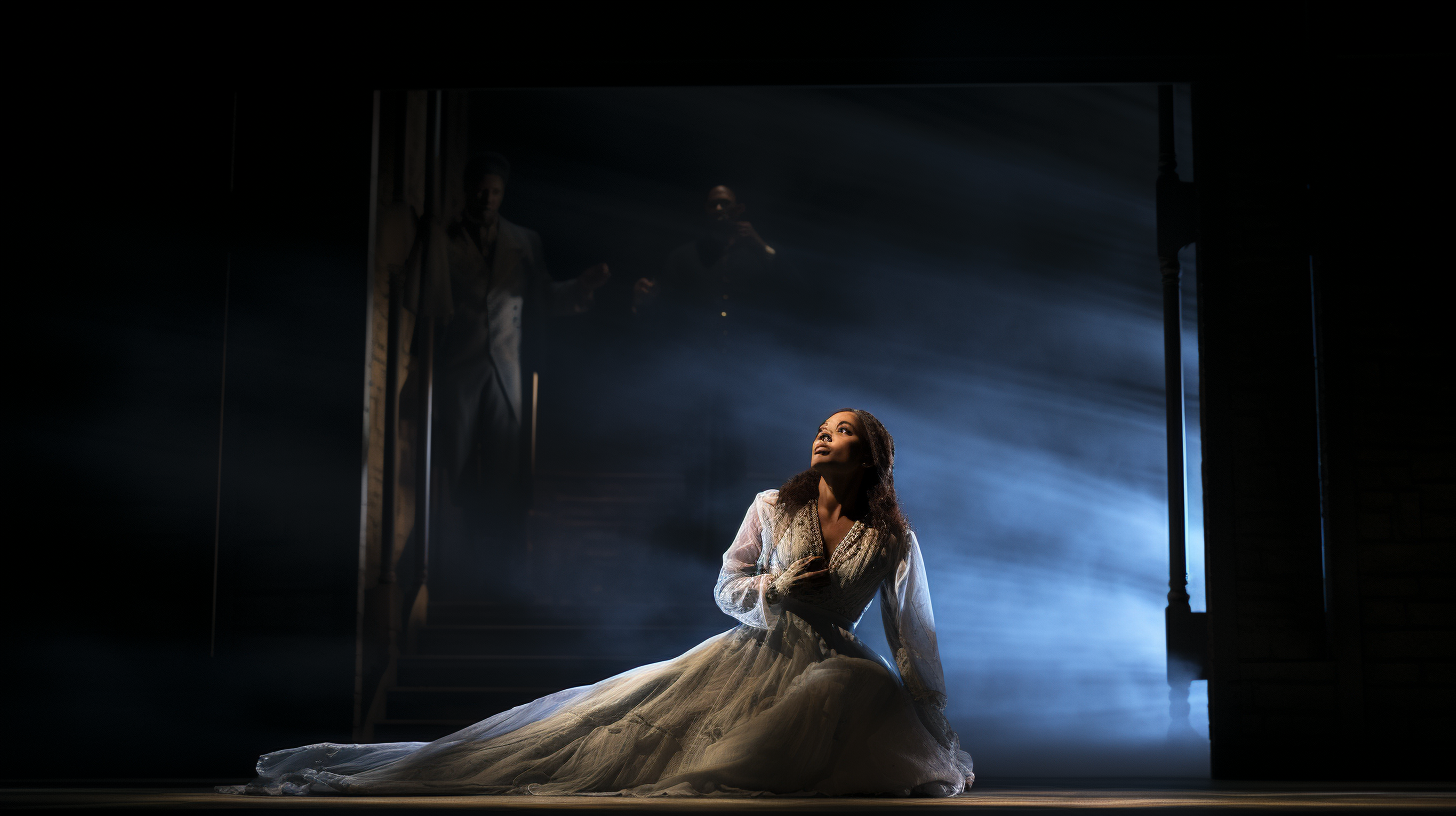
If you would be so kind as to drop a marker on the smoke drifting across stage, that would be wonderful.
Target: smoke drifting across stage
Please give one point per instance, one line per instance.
(978, 270)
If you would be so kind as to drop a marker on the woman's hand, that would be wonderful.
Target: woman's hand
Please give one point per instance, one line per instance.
(806, 573)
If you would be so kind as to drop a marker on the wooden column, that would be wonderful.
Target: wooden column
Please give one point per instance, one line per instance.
(1186, 632)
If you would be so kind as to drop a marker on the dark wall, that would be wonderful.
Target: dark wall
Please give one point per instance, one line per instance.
(1390, 478)
(120, 433)
(1332, 641)
(1261, 446)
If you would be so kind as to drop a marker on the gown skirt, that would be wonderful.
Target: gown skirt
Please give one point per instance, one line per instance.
(797, 708)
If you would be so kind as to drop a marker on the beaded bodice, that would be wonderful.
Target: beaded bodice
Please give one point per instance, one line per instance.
(856, 568)
(768, 543)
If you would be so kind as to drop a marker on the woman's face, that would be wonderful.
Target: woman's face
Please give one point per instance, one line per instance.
(839, 443)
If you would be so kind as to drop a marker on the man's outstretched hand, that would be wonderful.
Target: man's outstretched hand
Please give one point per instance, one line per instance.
(745, 233)
(586, 284)
(642, 292)
(593, 278)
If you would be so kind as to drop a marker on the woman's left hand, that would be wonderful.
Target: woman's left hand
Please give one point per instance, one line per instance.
(806, 573)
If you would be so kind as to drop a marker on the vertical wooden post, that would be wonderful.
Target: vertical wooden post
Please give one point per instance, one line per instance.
(535, 397)
(1177, 227)
(424, 492)
(389, 504)
(424, 479)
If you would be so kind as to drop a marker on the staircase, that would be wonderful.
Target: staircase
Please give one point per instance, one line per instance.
(603, 539)
(474, 660)
(615, 584)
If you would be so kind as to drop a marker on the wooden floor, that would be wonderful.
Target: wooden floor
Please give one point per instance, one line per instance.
(1100, 795)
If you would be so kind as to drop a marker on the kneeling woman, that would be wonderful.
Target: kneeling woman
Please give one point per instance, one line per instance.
(788, 702)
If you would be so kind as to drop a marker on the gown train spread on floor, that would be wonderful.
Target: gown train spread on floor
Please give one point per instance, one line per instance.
(789, 702)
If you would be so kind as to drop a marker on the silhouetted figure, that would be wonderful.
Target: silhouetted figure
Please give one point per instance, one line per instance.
(721, 295)
(720, 285)
(488, 277)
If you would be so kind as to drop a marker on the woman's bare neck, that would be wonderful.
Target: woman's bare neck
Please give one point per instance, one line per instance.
(840, 497)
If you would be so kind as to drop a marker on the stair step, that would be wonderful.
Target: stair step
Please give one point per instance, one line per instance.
(624, 503)
(450, 704)
(642, 642)
(548, 672)
(699, 614)
(399, 730)
(623, 485)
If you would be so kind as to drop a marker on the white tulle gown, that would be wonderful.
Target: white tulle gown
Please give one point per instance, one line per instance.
(789, 702)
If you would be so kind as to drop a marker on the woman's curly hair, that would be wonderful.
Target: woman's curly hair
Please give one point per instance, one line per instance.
(882, 506)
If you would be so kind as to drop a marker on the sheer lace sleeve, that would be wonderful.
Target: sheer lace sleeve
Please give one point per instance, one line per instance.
(910, 631)
(745, 574)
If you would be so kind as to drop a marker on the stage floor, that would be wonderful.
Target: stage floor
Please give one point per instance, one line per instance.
(1184, 797)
